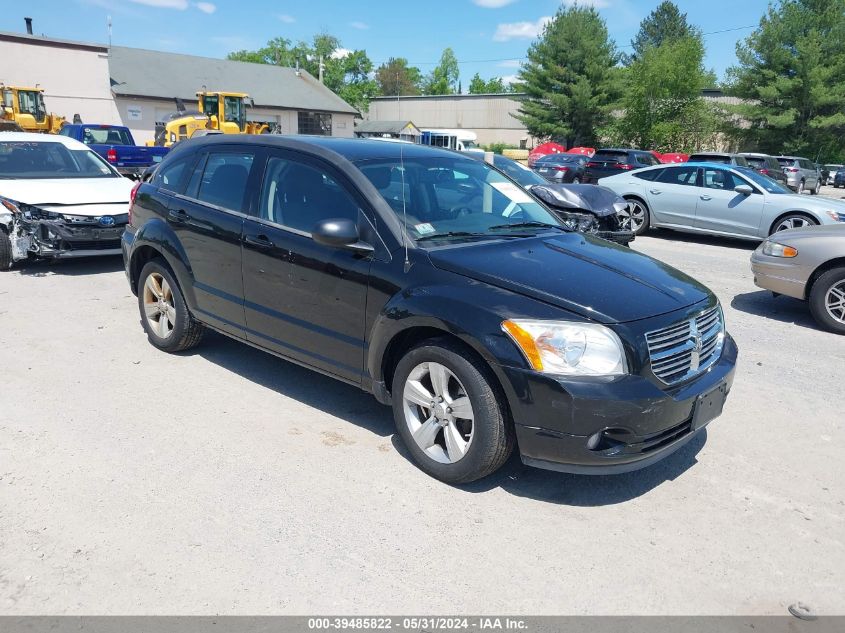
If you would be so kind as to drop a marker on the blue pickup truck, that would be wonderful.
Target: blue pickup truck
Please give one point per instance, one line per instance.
(116, 145)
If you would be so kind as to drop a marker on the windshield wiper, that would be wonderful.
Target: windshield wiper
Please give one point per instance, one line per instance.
(450, 234)
(529, 224)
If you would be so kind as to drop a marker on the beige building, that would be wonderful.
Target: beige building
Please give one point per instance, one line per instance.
(137, 88)
(491, 117)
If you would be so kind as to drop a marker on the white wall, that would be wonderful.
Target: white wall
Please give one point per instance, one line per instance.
(74, 81)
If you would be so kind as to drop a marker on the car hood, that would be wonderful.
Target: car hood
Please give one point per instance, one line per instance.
(579, 273)
(810, 232)
(64, 192)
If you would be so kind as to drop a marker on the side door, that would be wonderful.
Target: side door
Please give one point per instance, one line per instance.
(303, 299)
(723, 210)
(208, 220)
(812, 174)
(672, 196)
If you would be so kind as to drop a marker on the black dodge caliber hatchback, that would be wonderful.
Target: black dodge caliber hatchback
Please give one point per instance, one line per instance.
(437, 284)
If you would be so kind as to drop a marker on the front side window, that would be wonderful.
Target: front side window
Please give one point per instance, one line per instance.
(454, 198)
(233, 111)
(224, 179)
(317, 123)
(24, 160)
(210, 105)
(721, 179)
(299, 196)
(678, 176)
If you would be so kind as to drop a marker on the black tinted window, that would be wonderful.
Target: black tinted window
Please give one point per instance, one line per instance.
(678, 176)
(171, 174)
(647, 159)
(757, 162)
(650, 174)
(698, 158)
(299, 196)
(224, 179)
(610, 156)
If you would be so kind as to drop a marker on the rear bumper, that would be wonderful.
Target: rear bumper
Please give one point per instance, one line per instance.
(632, 421)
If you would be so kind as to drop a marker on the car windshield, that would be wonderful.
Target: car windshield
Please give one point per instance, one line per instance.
(518, 172)
(28, 159)
(454, 198)
(770, 185)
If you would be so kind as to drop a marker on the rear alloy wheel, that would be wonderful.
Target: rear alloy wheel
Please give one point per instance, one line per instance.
(815, 191)
(164, 313)
(448, 413)
(827, 300)
(792, 222)
(635, 218)
(576, 181)
(800, 187)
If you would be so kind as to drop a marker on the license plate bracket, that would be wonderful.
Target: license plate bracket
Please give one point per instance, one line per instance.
(708, 406)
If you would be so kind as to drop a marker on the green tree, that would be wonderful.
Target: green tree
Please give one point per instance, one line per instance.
(665, 24)
(443, 80)
(570, 80)
(791, 76)
(395, 77)
(663, 108)
(477, 86)
(348, 73)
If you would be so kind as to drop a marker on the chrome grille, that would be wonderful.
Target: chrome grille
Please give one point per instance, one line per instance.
(686, 348)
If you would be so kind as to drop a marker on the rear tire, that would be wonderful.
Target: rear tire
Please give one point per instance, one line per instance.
(827, 300)
(164, 313)
(800, 189)
(443, 442)
(815, 190)
(5, 251)
(576, 181)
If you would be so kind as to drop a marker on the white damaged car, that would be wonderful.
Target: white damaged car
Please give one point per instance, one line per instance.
(58, 199)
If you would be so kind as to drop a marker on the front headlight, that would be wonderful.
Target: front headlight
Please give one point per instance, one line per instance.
(567, 348)
(778, 250)
(836, 216)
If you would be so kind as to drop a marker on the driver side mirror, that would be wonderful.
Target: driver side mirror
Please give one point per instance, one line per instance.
(745, 190)
(340, 233)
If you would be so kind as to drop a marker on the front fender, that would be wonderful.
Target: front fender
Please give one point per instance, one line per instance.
(472, 312)
(159, 236)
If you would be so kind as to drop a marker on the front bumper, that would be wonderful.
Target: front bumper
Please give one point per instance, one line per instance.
(781, 275)
(637, 422)
(61, 240)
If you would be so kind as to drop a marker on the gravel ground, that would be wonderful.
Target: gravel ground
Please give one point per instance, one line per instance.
(227, 481)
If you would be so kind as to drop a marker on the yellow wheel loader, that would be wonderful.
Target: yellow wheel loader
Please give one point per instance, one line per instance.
(23, 110)
(220, 112)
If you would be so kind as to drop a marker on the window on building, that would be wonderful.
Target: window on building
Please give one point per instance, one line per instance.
(319, 123)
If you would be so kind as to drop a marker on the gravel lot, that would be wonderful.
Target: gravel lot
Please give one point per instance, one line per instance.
(228, 481)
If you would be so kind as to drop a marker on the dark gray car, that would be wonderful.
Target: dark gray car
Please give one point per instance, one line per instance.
(766, 165)
(723, 158)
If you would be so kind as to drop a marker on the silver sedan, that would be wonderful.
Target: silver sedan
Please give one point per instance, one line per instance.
(717, 199)
(807, 264)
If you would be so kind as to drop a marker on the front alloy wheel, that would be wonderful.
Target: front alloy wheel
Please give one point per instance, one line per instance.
(827, 300)
(438, 412)
(450, 413)
(634, 218)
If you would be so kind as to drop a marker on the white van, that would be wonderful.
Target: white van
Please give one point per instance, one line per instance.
(461, 140)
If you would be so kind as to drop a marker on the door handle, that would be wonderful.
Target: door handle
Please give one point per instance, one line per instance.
(656, 192)
(178, 215)
(705, 197)
(261, 241)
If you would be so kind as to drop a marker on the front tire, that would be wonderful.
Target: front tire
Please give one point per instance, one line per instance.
(5, 251)
(636, 218)
(827, 300)
(164, 313)
(793, 221)
(449, 414)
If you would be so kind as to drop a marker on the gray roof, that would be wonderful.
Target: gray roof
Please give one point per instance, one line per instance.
(386, 127)
(138, 72)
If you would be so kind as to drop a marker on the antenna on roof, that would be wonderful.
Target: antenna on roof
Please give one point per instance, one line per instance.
(109, 23)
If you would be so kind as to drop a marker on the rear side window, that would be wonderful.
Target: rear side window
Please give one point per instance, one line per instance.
(224, 179)
(171, 175)
(649, 174)
(679, 176)
(610, 156)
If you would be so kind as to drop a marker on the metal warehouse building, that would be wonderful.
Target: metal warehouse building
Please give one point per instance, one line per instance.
(490, 116)
(136, 87)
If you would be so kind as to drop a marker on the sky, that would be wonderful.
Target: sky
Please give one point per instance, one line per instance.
(489, 37)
